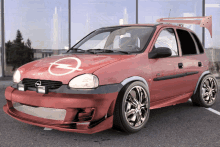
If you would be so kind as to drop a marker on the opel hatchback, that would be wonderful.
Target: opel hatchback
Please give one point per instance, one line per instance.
(113, 77)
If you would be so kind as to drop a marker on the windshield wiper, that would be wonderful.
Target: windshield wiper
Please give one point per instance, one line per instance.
(121, 51)
(94, 51)
(77, 49)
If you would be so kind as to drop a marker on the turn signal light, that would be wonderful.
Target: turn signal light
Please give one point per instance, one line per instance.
(22, 87)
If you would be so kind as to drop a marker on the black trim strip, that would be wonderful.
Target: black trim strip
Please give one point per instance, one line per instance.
(176, 76)
(102, 89)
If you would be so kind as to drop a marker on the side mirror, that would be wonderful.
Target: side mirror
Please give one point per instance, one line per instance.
(160, 52)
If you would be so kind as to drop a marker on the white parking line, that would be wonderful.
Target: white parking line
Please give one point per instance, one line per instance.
(47, 129)
(212, 110)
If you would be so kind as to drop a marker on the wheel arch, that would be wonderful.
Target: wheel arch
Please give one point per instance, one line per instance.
(200, 78)
(136, 78)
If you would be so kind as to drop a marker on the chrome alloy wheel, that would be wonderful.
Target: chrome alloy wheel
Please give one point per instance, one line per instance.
(136, 106)
(209, 90)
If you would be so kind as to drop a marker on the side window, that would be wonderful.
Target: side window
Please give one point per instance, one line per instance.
(187, 44)
(167, 39)
(201, 50)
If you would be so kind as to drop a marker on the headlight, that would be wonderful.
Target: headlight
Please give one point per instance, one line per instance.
(17, 76)
(84, 81)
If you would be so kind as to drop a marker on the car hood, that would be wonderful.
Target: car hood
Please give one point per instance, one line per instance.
(64, 67)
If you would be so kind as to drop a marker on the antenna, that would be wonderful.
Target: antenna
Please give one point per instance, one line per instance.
(169, 13)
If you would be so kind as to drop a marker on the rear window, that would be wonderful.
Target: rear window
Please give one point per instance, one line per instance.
(201, 50)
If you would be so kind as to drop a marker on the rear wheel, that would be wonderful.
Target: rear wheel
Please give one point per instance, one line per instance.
(206, 93)
(132, 108)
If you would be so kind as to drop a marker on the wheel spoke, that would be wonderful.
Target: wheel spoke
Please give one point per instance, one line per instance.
(211, 98)
(132, 100)
(213, 92)
(138, 120)
(210, 81)
(133, 118)
(207, 98)
(207, 83)
(130, 112)
(139, 93)
(205, 94)
(212, 84)
(128, 106)
(144, 104)
(142, 119)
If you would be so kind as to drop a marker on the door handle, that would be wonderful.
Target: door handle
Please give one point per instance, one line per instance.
(199, 64)
(180, 65)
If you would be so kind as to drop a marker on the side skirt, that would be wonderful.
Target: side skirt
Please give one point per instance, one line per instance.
(171, 101)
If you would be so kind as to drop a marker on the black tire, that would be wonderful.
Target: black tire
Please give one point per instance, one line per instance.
(121, 117)
(199, 98)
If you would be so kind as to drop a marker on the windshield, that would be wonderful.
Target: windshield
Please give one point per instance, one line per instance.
(121, 39)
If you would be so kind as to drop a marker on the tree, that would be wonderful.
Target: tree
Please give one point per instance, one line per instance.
(31, 52)
(18, 37)
(8, 51)
(19, 53)
(28, 43)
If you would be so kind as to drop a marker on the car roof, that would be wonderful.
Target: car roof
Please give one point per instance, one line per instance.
(158, 25)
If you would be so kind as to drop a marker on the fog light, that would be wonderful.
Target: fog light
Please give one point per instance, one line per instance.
(42, 89)
(22, 87)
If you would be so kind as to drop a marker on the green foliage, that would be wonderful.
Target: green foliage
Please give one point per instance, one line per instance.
(8, 51)
(18, 53)
(28, 43)
(18, 37)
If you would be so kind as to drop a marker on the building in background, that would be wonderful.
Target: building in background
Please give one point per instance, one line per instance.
(87, 25)
(125, 18)
(189, 26)
(55, 44)
(43, 53)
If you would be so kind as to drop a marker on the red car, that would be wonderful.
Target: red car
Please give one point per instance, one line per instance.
(113, 77)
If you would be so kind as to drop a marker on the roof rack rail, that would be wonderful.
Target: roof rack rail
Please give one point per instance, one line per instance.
(206, 21)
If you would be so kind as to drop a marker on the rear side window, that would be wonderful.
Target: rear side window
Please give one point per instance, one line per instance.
(187, 44)
(201, 50)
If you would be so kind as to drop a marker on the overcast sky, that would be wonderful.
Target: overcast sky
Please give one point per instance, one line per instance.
(34, 18)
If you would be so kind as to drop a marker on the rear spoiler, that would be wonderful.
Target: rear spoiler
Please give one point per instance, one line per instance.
(205, 21)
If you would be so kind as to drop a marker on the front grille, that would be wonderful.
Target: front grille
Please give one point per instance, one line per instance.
(42, 112)
(49, 83)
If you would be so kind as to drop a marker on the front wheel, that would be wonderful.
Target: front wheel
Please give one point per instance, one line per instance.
(206, 93)
(132, 108)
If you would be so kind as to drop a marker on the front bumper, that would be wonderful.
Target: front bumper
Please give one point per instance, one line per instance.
(85, 113)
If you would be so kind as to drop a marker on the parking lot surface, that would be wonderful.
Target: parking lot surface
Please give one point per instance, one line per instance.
(175, 126)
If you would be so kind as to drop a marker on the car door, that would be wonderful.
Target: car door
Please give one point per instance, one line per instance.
(190, 66)
(164, 69)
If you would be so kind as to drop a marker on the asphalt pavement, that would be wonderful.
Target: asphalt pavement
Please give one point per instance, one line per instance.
(182, 125)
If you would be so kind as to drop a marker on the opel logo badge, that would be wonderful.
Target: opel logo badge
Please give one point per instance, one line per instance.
(65, 66)
(38, 83)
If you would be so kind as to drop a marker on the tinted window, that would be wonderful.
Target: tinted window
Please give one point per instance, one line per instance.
(187, 44)
(198, 43)
(167, 39)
